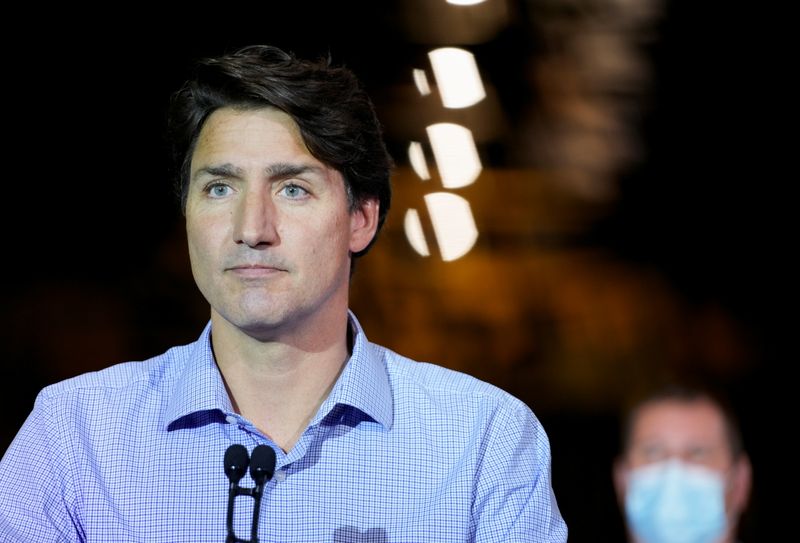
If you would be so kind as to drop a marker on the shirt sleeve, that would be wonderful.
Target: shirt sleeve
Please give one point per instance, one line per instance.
(514, 499)
(36, 492)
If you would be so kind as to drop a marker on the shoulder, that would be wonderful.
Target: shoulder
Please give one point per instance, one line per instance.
(430, 385)
(453, 407)
(120, 381)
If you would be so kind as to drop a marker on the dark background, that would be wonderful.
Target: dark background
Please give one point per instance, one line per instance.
(95, 270)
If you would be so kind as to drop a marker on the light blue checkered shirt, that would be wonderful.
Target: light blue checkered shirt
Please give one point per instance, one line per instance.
(401, 451)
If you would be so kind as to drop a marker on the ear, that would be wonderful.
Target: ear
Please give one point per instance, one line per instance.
(741, 483)
(363, 224)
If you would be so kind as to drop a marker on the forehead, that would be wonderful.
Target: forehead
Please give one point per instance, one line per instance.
(257, 132)
(679, 424)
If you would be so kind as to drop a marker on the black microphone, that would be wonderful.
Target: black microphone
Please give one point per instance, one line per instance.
(236, 460)
(262, 467)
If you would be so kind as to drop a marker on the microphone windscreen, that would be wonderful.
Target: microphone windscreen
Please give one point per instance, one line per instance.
(236, 460)
(262, 464)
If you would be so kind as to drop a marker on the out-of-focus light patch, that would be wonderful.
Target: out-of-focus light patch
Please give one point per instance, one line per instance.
(457, 77)
(455, 154)
(465, 2)
(453, 224)
(414, 232)
(421, 81)
(417, 159)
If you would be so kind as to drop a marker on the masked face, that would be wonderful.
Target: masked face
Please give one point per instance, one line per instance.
(675, 502)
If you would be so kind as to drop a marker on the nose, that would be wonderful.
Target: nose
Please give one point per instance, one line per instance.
(255, 219)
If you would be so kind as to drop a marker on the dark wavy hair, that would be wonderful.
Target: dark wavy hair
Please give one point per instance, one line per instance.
(336, 117)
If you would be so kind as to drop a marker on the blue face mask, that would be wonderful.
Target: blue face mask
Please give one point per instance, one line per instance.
(673, 502)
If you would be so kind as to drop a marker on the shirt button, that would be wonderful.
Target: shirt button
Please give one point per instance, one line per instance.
(231, 419)
(280, 476)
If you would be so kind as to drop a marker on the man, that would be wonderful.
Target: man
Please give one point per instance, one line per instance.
(683, 475)
(284, 181)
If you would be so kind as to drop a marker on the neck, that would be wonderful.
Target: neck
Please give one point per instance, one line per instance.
(279, 384)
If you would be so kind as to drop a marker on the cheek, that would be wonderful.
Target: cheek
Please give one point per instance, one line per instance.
(201, 236)
(321, 236)
(192, 237)
(197, 257)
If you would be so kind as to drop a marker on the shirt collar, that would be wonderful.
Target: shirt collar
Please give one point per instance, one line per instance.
(200, 386)
(363, 384)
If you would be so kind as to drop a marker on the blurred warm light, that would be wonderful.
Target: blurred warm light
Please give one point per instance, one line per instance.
(455, 154)
(414, 232)
(457, 77)
(463, 23)
(561, 312)
(465, 2)
(421, 81)
(417, 159)
(453, 224)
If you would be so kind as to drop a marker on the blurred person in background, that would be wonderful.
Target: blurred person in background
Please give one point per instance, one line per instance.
(683, 475)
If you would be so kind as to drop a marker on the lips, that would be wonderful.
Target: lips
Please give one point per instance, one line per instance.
(254, 270)
(253, 267)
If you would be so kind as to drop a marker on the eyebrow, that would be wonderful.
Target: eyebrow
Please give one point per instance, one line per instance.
(223, 170)
(279, 170)
(283, 170)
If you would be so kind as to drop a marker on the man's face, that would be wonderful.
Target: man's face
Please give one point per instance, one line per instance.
(268, 226)
(693, 432)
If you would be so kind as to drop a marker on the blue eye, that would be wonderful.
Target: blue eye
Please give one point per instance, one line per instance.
(294, 191)
(218, 190)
